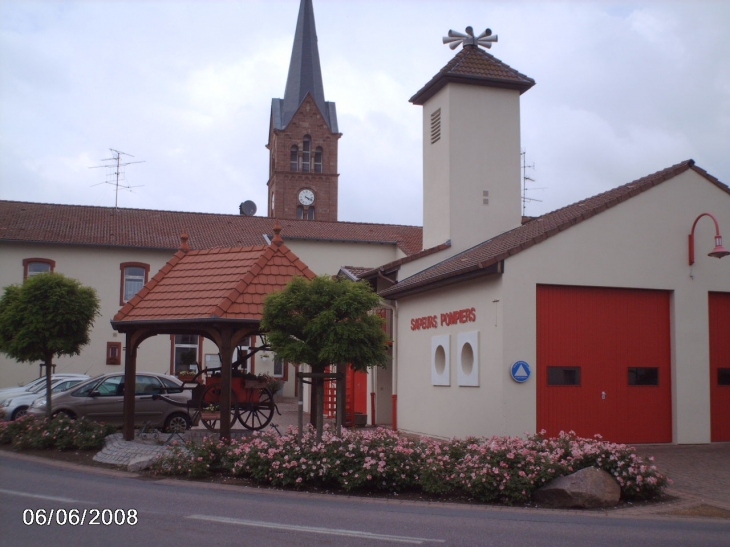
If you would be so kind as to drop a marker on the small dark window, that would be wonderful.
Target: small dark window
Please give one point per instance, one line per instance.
(643, 376)
(563, 376)
(306, 153)
(310, 213)
(318, 160)
(294, 158)
(723, 377)
(300, 212)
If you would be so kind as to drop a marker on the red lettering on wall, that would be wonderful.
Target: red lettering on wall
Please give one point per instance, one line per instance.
(426, 322)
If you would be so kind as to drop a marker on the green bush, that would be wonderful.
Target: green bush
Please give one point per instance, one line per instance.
(61, 433)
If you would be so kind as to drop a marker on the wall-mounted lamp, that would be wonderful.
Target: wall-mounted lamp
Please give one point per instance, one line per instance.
(718, 252)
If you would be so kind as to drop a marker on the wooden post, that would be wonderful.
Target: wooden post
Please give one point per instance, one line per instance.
(226, 377)
(130, 368)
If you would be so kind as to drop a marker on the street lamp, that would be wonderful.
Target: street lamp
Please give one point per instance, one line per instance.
(718, 252)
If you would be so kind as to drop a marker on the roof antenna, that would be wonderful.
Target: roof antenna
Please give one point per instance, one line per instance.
(525, 180)
(115, 172)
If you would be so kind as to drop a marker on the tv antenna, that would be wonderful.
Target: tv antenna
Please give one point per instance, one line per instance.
(525, 180)
(115, 173)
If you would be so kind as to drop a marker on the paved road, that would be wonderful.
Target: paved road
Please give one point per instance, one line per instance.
(177, 513)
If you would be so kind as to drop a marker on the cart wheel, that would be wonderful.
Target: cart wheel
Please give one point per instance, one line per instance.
(210, 406)
(257, 415)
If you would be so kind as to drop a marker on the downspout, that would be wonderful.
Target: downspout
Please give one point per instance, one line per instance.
(394, 387)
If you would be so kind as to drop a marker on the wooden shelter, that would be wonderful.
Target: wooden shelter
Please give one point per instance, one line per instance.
(215, 293)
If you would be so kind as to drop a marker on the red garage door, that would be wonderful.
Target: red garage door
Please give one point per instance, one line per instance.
(720, 365)
(603, 363)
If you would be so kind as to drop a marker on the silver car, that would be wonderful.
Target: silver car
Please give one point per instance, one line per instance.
(17, 406)
(38, 383)
(102, 399)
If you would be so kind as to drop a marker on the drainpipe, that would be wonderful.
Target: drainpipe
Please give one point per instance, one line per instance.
(394, 308)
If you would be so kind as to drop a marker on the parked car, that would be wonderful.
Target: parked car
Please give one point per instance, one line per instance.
(102, 399)
(38, 383)
(16, 407)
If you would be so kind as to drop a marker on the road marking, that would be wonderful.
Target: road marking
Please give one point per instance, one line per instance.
(316, 530)
(38, 496)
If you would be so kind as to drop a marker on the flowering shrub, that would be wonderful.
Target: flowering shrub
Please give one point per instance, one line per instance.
(60, 432)
(499, 469)
(191, 459)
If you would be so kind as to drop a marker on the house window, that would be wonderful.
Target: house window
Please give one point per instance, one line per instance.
(35, 266)
(306, 153)
(113, 353)
(279, 367)
(294, 158)
(134, 277)
(318, 160)
(186, 347)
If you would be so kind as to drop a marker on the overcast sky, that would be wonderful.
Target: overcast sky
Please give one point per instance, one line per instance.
(623, 90)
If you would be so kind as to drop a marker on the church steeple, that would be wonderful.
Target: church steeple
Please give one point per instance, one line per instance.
(303, 135)
(305, 73)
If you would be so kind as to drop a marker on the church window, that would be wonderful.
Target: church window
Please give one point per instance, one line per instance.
(306, 153)
(294, 158)
(300, 212)
(310, 213)
(318, 160)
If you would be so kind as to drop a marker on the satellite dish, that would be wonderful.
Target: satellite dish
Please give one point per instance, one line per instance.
(247, 208)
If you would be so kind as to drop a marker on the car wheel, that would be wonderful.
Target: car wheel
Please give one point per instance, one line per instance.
(19, 412)
(177, 423)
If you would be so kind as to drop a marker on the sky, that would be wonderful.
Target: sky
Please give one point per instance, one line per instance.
(623, 89)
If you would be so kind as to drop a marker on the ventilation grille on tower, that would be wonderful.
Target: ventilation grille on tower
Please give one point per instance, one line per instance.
(435, 126)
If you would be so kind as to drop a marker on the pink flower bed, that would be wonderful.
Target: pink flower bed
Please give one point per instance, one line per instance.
(497, 469)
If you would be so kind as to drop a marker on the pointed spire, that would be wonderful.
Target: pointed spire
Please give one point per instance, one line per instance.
(305, 73)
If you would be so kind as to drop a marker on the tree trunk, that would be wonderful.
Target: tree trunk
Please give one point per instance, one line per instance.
(49, 369)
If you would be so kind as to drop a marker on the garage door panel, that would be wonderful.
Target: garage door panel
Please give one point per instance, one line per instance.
(719, 317)
(605, 332)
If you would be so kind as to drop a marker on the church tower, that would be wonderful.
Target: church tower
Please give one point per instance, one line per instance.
(303, 136)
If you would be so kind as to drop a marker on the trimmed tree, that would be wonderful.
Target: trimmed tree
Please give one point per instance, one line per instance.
(48, 315)
(322, 322)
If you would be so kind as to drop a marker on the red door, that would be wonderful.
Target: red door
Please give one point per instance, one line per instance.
(603, 363)
(719, 366)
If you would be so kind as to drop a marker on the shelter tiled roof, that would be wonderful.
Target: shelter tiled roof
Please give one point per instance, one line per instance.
(25, 222)
(354, 272)
(481, 259)
(221, 283)
(474, 66)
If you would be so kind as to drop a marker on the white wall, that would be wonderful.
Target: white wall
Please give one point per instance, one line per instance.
(97, 268)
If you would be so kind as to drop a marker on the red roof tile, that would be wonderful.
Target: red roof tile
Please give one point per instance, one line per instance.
(481, 258)
(25, 222)
(227, 283)
(474, 66)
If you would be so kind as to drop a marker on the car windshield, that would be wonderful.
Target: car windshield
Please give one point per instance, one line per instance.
(65, 385)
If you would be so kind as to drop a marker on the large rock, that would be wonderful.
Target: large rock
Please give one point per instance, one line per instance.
(588, 488)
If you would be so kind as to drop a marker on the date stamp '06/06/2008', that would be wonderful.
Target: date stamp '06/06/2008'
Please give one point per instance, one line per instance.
(80, 517)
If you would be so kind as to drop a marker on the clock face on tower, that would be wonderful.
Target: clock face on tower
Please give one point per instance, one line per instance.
(306, 197)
